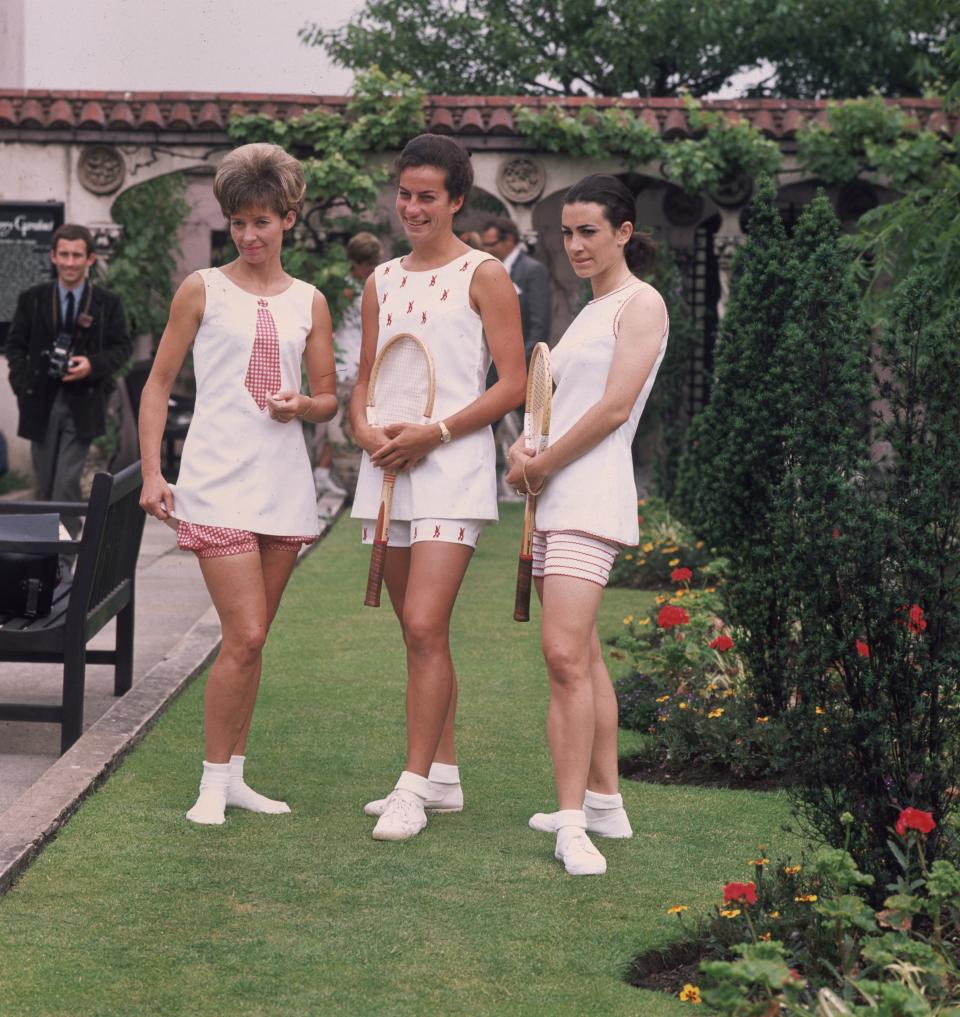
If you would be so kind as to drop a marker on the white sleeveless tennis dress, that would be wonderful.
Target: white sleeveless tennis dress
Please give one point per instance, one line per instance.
(241, 469)
(458, 480)
(595, 494)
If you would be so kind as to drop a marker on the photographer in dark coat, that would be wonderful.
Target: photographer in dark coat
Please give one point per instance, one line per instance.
(67, 339)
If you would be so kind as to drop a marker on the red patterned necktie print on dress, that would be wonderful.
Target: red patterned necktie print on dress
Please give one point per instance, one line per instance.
(263, 371)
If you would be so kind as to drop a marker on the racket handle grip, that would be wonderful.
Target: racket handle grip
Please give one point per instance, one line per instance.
(378, 558)
(521, 610)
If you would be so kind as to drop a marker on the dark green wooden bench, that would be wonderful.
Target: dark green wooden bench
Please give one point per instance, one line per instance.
(101, 588)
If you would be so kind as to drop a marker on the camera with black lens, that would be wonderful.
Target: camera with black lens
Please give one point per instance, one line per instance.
(58, 358)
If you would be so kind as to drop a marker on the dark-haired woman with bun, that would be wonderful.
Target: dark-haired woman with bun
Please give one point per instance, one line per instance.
(604, 368)
(464, 307)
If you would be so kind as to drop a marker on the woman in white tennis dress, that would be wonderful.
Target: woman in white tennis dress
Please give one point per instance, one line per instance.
(244, 502)
(604, 367)
(463, 306)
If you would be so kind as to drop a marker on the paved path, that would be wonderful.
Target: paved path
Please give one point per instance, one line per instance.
(176, 633)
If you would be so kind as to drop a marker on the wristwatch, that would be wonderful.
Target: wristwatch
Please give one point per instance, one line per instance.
(445, 436)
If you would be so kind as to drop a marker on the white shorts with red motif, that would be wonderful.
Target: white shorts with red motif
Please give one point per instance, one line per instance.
(404, 532)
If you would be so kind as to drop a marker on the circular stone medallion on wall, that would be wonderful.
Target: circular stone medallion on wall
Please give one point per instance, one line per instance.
(521, 179)
(101, 169)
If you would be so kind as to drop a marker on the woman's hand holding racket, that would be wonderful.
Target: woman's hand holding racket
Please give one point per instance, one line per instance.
(406, 445)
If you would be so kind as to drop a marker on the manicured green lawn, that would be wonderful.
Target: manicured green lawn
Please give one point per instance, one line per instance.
(133, 911)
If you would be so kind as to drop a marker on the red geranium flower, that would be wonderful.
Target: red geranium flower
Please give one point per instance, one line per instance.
(916, 623)
(862, 648)
(670, 616)
(681, 575)
(721, 644)
(744, 893)
(914, 819)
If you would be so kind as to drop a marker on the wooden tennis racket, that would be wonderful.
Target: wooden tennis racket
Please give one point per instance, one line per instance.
(536, 432)
(401, 391)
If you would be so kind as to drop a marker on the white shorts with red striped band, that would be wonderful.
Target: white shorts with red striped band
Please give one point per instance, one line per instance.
(574, 554)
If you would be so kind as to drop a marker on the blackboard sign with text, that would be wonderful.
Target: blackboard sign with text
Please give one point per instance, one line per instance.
(26, 228)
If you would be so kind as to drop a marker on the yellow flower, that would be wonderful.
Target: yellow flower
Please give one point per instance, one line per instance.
(806, 898)
(673, 562)
(710, 589)
(661, 699)
(644, 621)
(680, 594)
(628, 619)
(647, 548)
(677, 909)
(762, 720)
(698, 545)
(765, 936)
(718, 712)
(628, 557)
(730, 912)
(820, 711)
(682, 706)
(791, 870)
(825, 730)
(669, 550)
(690, 994)
(758, 861)
(661, 599)
(728, 693)
(774, 914)
(642, 501)
(641, 561)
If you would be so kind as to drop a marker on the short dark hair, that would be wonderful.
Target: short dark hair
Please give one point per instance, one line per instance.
(363, 248)
(614, 197)
(505, 228)
(443, 153)
(72, 231)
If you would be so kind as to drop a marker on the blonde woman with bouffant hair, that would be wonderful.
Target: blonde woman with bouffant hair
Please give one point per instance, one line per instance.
(244, 500)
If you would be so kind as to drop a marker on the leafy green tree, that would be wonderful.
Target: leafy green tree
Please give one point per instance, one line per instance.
(809, 48)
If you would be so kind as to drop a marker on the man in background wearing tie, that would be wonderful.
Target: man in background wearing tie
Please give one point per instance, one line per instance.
(67, 339)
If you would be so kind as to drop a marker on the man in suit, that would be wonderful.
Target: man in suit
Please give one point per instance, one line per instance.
(532, 282)
(67, 339)
(530, 277)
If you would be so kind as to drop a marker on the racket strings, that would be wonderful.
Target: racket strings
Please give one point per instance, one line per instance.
(402, 387)
(539, 393)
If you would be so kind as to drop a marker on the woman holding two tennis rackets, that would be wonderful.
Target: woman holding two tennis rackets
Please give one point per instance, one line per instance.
(432, 320)
(586, 507)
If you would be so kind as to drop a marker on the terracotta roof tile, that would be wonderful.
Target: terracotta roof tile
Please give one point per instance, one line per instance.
(31, 114)
(676, 123)
(471, 121)
(121, 115)
(91, 115)
(61, 114)
(501, 121)
(8, 116)
(151, 117)
(209, 117)
(180, 117)
(441, 121)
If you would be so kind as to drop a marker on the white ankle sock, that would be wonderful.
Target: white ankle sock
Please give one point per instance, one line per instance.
(593, 801)
(413, 782)
(241, 796)
(444, 773)
(212, 799)
(570, 817)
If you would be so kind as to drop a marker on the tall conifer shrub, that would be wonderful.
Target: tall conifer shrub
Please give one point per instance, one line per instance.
(734, 460)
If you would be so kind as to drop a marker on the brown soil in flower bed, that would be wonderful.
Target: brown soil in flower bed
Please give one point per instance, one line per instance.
(652, 771)
(669, 968)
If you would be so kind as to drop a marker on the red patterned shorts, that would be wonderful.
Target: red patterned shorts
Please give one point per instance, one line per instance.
(221, 541)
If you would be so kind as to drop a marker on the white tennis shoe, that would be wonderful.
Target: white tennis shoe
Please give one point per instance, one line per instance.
(403, 816)
(443, 798)
(578, 854)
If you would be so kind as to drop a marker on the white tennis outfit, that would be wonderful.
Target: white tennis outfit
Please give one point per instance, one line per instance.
(454, 487)
(240, 469)
(588, 508)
